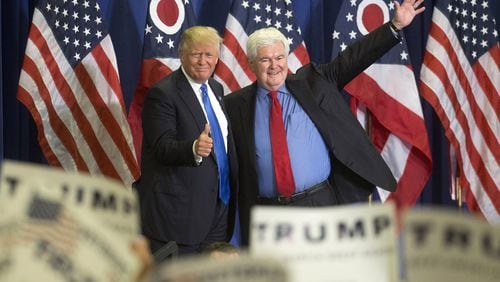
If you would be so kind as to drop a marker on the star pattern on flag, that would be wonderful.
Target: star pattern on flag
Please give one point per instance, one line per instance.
(473, 24)
(245, 17)
(165, 22)
(389, 108)
(71, 85)
(459, 79)
(271, 13)
(78, 27)
(49, 222)
(355, 17)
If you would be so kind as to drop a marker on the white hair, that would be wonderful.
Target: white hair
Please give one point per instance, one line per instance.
(265, 37)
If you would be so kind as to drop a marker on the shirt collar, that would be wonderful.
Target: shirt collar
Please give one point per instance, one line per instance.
(262, 92)
(195, 85)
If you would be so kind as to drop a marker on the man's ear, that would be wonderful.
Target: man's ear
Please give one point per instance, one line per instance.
(251, 65)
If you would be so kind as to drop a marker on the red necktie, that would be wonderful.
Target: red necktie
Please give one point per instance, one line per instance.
(281, 159)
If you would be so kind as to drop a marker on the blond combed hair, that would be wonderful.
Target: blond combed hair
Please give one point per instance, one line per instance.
(199, 35)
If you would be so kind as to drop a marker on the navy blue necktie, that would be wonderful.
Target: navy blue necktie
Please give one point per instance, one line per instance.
(220, 149)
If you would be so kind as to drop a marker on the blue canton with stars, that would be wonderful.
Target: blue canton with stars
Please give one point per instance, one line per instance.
(77, 25)
(158, 44)
(254, 15)
(347, 32)
(473, 24)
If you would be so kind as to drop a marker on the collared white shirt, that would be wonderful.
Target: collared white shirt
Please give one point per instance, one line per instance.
(216, 105)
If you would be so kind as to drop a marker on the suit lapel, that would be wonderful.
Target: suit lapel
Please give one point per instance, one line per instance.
(218, 91)
(189, 97)
(247, 118)
(304, 95)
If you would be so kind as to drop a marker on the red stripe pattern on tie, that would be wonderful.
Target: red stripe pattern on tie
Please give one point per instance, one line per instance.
(285, 183)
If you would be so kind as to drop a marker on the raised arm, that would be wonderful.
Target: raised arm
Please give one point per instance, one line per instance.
(406, 12)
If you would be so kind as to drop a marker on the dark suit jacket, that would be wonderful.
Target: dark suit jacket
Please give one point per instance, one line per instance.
(356, 165)
(177, 197)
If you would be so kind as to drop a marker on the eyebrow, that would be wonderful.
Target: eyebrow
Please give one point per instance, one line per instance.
(271, 57)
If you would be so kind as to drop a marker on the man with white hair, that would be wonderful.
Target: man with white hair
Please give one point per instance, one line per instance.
(297, 141)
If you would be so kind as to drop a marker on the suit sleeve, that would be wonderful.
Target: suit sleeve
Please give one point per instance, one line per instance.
(159, 124)
(359, 56)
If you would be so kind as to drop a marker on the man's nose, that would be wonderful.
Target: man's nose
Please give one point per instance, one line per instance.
(274, 62)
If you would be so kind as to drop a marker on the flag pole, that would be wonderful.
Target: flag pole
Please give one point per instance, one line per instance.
(368, 129)
(458, 191)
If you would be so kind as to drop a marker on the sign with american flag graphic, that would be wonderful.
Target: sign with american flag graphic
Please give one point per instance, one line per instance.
(65, 226)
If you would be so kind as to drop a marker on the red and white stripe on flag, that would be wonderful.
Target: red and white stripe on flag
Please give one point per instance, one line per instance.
(75, 98)
(388, 91)
(152, 71)
(396, 127)
(233, 71)
(460, 78)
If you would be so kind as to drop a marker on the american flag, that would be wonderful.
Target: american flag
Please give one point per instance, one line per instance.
(165, 23)
(70, 84)
(388, 93)
(49, 221)
(244, 18)
(460, 78)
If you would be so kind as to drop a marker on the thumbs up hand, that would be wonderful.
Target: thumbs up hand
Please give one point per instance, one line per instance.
(204, 143)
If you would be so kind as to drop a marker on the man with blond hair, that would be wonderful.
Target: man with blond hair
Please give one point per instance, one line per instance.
(188, 182)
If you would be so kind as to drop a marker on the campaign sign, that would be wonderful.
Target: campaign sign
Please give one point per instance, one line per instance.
(445, 245)
(229, 269)
(60, 226)
(336, 244)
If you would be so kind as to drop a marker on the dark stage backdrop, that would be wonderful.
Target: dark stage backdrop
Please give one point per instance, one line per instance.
(316, 18)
